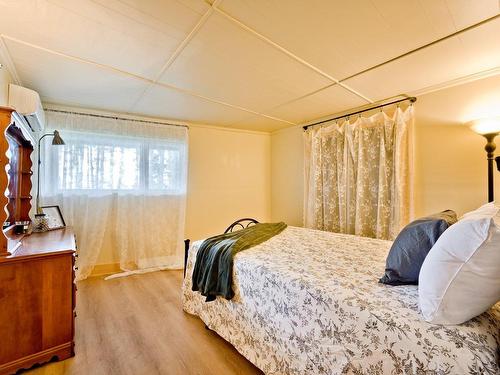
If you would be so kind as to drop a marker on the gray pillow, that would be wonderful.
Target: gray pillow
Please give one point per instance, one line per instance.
(411, 247)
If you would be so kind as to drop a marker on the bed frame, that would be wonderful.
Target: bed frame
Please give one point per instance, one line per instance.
(237, 225)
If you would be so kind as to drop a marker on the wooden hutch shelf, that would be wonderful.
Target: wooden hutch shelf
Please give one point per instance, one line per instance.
(19, 173)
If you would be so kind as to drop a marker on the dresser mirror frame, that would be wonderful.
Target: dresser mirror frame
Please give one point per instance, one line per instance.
(15, 180)
(19, 172)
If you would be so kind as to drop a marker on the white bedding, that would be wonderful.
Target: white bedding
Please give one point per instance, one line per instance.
(309, 302)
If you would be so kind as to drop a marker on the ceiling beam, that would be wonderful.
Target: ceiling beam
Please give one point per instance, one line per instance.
(340, 82)
(446, 37)
(423, 91)
(456, 81)
(187, 39)
(288, 53)
(141, 78)
(203, 19)
(191, 93)
(76, 58)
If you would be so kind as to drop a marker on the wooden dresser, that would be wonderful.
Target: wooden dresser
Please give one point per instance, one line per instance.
(37, 301)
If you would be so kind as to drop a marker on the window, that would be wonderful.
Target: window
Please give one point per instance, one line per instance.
(106, 163)
(164, 167)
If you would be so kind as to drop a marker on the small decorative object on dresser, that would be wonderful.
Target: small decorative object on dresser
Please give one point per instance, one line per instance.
(54, 217)
(40, 224)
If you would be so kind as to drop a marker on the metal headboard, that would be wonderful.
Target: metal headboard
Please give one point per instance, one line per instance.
(241, 224)
(238, 224)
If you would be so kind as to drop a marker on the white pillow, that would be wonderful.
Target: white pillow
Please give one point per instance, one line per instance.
(487, 209)
(460, 277)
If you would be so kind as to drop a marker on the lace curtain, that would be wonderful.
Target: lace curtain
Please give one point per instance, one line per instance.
(122, 186)
(358, 175)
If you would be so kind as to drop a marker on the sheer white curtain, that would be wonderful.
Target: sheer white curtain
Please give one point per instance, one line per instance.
(358, 175)
(122, 186)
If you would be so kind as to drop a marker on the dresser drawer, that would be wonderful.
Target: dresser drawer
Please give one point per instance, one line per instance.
(37, 303)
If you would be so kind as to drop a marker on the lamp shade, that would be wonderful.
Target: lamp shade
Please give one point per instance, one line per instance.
(57, 140)
(489, 125)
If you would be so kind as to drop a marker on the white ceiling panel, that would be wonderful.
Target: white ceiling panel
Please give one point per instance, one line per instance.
(345, 37)
(480, 47)
(160, 101)
(166, 10)
(135, 36)
(261, 123)
(65, 81)
(225, 61)
(322, 103)
(465, 12)
(230, 64)
(469, 53)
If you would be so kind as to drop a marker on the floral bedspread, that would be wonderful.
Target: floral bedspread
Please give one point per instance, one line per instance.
(309, 302)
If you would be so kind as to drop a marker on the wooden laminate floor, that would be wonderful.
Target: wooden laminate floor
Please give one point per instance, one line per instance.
(135, 325)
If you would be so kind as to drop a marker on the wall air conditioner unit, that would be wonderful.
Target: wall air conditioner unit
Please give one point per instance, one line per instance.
(28, 106)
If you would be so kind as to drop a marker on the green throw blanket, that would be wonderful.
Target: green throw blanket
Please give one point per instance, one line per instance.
(213, 270)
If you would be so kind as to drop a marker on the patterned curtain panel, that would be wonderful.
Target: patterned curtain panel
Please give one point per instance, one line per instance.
(358, 175)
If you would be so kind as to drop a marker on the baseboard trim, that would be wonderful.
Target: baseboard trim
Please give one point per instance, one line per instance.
(105, 269)
(62, 352)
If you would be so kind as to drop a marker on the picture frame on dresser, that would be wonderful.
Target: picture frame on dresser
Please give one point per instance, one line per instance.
(55, 219)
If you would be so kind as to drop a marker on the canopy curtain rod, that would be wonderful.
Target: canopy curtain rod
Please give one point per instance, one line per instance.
(114, 117)
(412, 99)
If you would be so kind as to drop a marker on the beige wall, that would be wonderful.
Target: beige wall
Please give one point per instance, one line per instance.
(229, 178)
(450, 163)
(287, 183)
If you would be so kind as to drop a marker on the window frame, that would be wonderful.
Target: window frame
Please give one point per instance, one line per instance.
(143, 145)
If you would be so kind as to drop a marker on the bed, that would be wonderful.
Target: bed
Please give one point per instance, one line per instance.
(309, 302)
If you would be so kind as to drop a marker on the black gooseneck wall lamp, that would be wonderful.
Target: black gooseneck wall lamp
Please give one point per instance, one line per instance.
(489, 128)
(56, 141)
